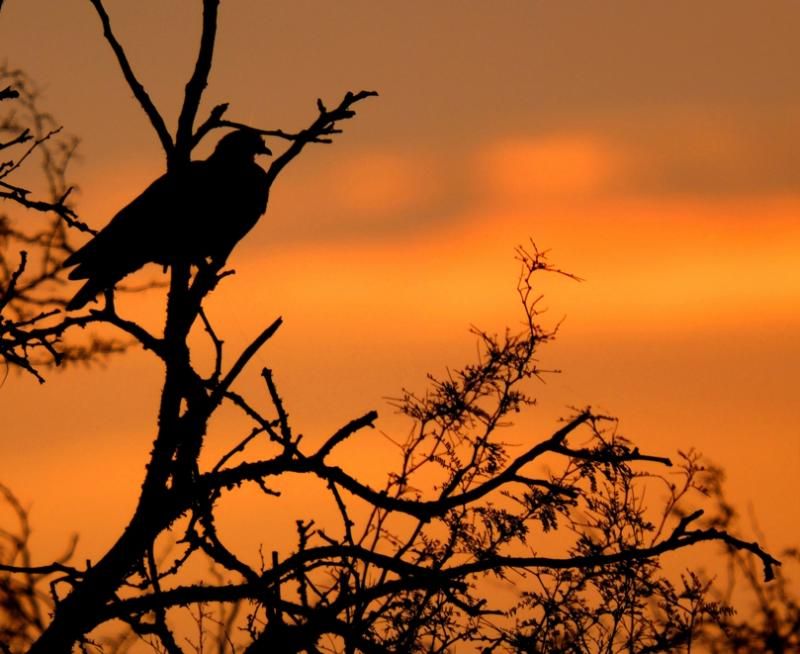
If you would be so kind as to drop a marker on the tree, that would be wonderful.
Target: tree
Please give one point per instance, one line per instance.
(409, 566)
(770, 621)
(32, 292)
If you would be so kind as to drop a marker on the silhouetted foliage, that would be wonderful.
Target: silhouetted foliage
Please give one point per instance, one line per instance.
(769, 621)
(33, 286)
(452, 551)
(25, 601)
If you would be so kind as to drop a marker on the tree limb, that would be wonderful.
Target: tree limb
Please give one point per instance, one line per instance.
(197, 83)
(135, 85)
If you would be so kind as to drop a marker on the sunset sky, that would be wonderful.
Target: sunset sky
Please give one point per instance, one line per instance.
(653, 148)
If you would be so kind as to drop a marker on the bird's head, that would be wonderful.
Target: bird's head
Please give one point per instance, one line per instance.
(242, 143)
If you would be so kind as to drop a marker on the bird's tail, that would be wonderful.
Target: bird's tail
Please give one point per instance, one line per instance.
(85, 294)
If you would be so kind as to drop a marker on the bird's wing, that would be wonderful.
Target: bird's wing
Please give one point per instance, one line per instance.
(126, 242)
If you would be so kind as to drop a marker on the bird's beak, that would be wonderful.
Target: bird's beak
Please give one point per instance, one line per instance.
(264, 149)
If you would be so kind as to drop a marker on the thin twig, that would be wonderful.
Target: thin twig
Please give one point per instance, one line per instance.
(135, 85)
(248, 353)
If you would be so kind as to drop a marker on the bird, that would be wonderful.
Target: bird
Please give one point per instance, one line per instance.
(201, 211)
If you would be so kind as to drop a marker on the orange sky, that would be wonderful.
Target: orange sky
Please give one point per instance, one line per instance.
(652, 147)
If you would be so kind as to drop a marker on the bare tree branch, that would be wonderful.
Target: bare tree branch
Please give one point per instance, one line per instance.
(198, 81)
(135, 85)
(409, 563)
(248, 353)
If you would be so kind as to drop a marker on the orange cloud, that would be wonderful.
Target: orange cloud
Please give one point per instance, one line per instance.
(382, 182)
(353, 194)
(525, 169)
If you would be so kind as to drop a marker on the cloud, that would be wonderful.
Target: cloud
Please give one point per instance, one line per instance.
(378, 183)
(402, 190)
(525, 169)
(362, 194)
(711, 151)
(672, 151)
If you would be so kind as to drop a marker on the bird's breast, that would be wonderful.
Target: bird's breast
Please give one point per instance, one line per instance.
(221, 208)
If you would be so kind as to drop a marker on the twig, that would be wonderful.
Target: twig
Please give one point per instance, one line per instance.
(198, 81)
(367, 420)
(136, 87)
(248, 353)
(320, 130)
(277, 402)
(217, 343)
(28, 152)
(239, 447)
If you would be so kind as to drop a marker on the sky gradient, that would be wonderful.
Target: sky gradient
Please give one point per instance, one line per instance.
(653, 148)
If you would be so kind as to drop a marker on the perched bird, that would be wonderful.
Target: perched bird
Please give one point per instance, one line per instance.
(202, 211)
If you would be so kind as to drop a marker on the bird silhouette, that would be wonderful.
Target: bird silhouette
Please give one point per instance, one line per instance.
(199, 212)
